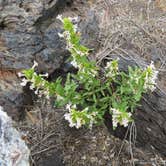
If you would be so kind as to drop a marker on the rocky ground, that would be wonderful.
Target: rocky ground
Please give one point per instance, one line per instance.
(53, 143)
(134, 31)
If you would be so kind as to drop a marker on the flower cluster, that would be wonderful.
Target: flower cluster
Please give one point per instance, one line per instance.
(70, 46)
(24, 80)
(112, 69)
(72, 19)
(67, 34)
(79, 53)
(37, 83)
(150, 77)
(78, 118)
(123, 118)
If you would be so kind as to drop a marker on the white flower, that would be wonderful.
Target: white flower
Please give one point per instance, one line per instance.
(44, 75)
(69, 119)
(92, 118)
(32, 86)
(66, 34)
(151, 77)
(111, 68)
(114, 123)
(20, 74)
(69, 46)
(78, 123)
(75, 27)
(74, 63)
(59, 17)
(46, 94)
(78, 118)
(24, 82)
(37, 91)
(93, 73)
(115, 112)
(86, 109)
(111, 64)
(126, 119)
(40, 94)
(74, 106)
(79, 52)
(108, 65)
(68, 106)
(125, 122)
(61, 35)
(123, 118)
(34, 65)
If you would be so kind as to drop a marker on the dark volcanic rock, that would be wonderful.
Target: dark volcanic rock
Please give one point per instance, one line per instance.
(90, 31)
(150, 122)
(12, 96)
(23, 40)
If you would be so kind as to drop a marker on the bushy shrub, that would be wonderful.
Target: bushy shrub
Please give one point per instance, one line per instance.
(85, 96)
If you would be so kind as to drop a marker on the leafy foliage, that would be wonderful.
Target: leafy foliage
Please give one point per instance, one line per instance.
(85, 95)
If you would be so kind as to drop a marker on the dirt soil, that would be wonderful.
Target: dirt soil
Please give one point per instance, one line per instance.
(53, 143)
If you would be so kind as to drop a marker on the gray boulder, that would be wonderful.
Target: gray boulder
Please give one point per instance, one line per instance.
(14, 151)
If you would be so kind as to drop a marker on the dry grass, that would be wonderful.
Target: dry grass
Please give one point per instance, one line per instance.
(135, 26)
(47, 134)
(134, 30)
(41, 129)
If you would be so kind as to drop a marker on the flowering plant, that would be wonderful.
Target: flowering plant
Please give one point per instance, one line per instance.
(86, 96)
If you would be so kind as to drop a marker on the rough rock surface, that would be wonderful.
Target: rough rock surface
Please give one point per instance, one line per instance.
(13, 149)
(12, 97)
(26, 36)
(23, 40)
